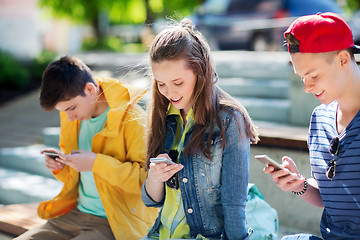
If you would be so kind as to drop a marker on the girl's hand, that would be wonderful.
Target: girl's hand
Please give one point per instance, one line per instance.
(288, 179)
(161, 172)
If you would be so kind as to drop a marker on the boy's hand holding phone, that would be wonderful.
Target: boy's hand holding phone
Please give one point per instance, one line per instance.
(52, 154)
(50, 160)
(80, 160)
(287, 178)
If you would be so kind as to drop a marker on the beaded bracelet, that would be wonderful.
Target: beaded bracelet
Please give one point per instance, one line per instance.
(302, 191)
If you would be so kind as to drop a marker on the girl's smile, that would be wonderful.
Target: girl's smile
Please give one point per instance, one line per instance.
(176, 100)
(176, 82)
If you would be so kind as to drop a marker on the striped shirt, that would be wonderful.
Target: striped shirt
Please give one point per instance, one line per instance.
(341, 196)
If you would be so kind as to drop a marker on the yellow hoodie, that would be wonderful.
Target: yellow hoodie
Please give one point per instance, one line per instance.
(118, 168)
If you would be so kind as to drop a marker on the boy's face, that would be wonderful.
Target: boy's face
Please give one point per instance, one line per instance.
(321, 73)
(79, 107)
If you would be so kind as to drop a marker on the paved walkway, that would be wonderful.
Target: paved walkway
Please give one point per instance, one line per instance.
(22, 121)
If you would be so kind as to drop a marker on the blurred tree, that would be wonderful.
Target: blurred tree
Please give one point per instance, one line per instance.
(146, 11)
(179, 8)
(92, 12)
(350, 6)
(99, 13)
(353, 4)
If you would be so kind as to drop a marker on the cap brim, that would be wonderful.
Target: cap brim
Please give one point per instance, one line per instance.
(355, 49)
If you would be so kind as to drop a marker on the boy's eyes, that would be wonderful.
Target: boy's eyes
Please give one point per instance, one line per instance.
(313, 77)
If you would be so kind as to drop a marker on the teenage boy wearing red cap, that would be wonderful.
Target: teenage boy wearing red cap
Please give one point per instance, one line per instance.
(321, 49)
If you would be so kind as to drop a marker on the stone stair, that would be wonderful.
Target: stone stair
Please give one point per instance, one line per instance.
(261, 82)
(23, 175)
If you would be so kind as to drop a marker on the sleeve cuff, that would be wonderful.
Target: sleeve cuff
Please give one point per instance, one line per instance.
(148, 201)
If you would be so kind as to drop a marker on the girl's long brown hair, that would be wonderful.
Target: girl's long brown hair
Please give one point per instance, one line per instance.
(183, 41)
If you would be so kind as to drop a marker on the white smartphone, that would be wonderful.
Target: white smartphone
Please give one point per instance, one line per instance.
(51, 154)
(161, 160)
(268, 161)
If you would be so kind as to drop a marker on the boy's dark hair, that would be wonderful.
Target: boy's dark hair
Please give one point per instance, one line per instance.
(291, 40)
(63, 80)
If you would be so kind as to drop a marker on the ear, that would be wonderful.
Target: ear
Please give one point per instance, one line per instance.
(90, 88)
(344, 58)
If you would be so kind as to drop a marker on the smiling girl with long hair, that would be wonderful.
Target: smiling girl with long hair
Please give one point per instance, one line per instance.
(205, 132)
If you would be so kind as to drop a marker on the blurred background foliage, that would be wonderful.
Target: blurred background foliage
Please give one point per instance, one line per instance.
(119, 11)
(10, 68)
(103, 16)
(100, 14)
(22, 73)
(350, 5)
(19, 76)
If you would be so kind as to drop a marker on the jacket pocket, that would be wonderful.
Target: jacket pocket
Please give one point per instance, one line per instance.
(216, 152)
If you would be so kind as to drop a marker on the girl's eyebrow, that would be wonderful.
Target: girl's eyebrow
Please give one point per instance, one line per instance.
(177, 79)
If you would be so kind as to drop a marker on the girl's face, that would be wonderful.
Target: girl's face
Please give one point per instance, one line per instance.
(176, 82)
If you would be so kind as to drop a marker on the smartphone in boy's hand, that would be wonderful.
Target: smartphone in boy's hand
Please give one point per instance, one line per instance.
(269, 162)
(51, 154)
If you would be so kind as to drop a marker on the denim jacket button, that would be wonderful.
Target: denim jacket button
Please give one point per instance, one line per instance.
(190, 210)
(185, 180)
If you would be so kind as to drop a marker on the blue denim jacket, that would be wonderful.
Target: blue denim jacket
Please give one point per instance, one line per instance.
(213, 191)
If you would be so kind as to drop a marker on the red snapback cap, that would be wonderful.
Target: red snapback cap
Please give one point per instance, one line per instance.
(322, 32)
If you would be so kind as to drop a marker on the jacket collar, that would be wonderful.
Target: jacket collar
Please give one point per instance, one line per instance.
(119, 96)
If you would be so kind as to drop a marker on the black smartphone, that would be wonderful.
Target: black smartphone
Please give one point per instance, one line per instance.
(53, 155)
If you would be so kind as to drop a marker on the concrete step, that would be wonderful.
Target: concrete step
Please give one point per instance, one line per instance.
(261, 88)
(271, 110)
(27, 159)
(51, 136)
(21, 187)
(264, 65)
(267, 65)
